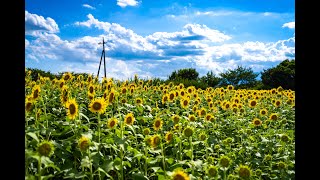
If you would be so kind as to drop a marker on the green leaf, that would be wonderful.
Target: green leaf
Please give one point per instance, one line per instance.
(170, 160)
(33, 135)
(139, 176)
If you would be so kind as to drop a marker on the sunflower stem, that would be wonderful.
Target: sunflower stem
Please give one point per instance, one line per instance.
(91, 174)
(121, 150)
(39, 168)
(191, 147)
(163, 157)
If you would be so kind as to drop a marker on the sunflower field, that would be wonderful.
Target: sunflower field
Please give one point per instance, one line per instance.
(82, 128)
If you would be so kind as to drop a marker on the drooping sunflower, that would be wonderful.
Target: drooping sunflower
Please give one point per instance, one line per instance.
(179, 174)
(256, 122)
(45, 148)
(98, 105)
(28, 105)
(111, 96)
(129, 119)
(169, 137)
(72, 108)
(202, 136)
(112, 123)
(273, 116)
(244, 171)
(157, 124)
(84, 143)
(91, 89)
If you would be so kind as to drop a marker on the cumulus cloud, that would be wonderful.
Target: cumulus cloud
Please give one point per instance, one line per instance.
(290, 25)
(88, 6)
(35, 24)
(157, 54)
(124, 3)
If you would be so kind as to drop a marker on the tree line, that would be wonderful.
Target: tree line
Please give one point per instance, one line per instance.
(241, 77)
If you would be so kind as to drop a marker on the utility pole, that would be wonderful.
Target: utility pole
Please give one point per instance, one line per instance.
(104, 59)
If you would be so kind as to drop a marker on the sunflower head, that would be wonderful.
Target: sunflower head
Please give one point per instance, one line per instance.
(139, 101)
(36, 92)
(172, 95)
(176, 127)
(98, 105)
(284, 138)
(176, 119)
(244, 171)
(202, 136)
(129, 119)
(112, 123)
(277, 103)
(179, 174)
(188, 131)
(267, 157)
(209, 117)
(111, 96)
(84, 143)
(202, 112)
(169, 137)
(212, 171)
(184, 102)
(258, 172)
(157, 124)
(165, 98)
(146, 131)
(155, 141)
(281, 165)
(263, 112)
(28, 105)
(45, 148)
(273, 116)
(67, 76)
(72, 109)
(252, 103)
(148, 140)
(224, 161)
(256, 122)
(192, 118)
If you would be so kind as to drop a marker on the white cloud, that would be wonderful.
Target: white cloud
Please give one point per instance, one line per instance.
(155, 55)
(88, 6)
(290, 25)
(124, 3)
(35, 24)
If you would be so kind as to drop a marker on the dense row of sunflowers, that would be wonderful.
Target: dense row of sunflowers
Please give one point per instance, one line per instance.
(81, 128)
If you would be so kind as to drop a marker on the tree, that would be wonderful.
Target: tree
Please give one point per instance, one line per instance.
(190, 74)
(241, 77)
(282, 75)
(210, 79)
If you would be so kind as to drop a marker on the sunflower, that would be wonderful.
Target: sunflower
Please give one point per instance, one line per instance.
(182, 93)
(72, 108)
(188, 131)
(61, 83)
(273, 116)
(36, 92)
(112, 123)
(225, 161)
(169, 137)
(64, 99)
(281, 165)
(235, 109)
(111, 96)
(209, 117)
(66, 76)
(176, 127)
(252, 103)
(45, 148)
(202, 136)
(267, 157)
(157, 124)
(263, 112)
(195, 108)
(202, 112)
(176, 119)
(98, 105)
(212, 171)
(28, 106)
(165, 98)
(184, 102)
(179, 174)
(230, 87)
(89, 79)
(244, 171)
(256, 122)
(90, 96)
(277, 103)
(284, 138)
(139, 101)
(123, 90)
(123, 100)
(181, 86)
(84, 143)
(192, 117)
(91, 89)
(129, 119)
(146, 131)
(155, 140)
(172, 95)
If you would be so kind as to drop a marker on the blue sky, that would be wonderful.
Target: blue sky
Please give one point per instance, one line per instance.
(154, 38)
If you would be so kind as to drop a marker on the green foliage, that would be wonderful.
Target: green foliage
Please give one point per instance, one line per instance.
(210, 79)
(241, 77)
(282, 75)
(190, 74)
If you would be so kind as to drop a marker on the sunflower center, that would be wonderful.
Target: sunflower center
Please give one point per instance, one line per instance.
(178, 177)
(66, 77)
(256, 122)
(244, 172)
(253, 103)
(278, 103)
(158, 123)
(91, 89)
(72, 109)
(96, 106)
(35, 93)
(129, 120)
(171, 96)
(112, 123)
(138, 101)
(44, 149)
(185, 102)
(28, 106)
